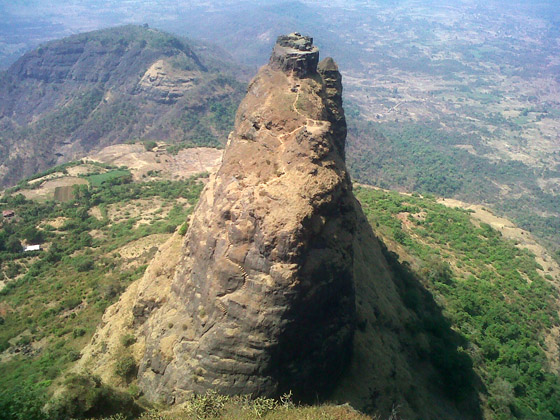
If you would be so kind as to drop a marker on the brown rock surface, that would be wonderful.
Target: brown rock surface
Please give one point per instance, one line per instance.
(278, 266)
(295, 53)
(263, 298)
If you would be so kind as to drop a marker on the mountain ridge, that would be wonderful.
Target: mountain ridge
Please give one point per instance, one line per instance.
(109, 86)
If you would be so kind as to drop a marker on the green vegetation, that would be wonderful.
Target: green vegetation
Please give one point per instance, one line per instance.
(86, 396)
(126, 367)
(491, 291)
(54, 299)
(207, 123)
(114, 176)
(150, 145)
(425, 158)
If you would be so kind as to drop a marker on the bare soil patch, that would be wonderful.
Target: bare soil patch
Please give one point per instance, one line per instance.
(55, 223)
(158, 163)
(46, 190)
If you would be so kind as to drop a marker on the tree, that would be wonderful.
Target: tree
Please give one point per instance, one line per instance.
(13, 245)
(150, 145)
(32, 235)
(3, 240)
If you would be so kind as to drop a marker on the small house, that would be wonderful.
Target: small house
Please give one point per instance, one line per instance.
(30, 248)
(8, 213)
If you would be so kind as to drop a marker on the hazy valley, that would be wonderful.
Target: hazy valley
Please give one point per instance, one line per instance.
(475, 81)
(431, 294)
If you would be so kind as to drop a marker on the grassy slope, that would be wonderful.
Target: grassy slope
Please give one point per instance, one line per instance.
(426, 158)
(492, 292)
(54, 300)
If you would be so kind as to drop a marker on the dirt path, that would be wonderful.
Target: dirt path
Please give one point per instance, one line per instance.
(308, 121)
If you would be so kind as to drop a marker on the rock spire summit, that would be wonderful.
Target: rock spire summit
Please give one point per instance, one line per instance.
(280, 283)
(263, 299)
(296, 53)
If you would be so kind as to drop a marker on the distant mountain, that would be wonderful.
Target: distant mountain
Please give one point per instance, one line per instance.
(90, 90)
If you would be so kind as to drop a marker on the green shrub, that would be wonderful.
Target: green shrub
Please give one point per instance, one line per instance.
(262, 406)
(207, 405)
(78, 332)
(126, 367)
(73, 355)
(23, 402)
(150, 145)
(128, 340)
(85, 396)
(70, 302)
(183, 229)
(13, 245)
(32, 235)
(83, 263)
(13, 269)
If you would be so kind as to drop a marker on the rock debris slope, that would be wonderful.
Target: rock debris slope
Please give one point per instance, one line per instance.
(278, 264)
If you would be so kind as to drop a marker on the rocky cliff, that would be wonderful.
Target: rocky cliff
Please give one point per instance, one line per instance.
(91, 90)
(263, 298)
(280, 283)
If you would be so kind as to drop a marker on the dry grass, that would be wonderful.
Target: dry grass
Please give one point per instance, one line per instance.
(522, 238)
(47, 188)
(143, 163)
(216, 407)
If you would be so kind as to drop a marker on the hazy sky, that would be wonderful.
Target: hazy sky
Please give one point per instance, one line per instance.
(27, 23)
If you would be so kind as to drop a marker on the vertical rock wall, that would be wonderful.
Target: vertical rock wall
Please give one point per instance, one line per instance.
(263, 299)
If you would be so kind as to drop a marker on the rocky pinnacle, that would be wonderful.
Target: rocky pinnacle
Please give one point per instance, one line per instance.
(295, 53)
(263, 301)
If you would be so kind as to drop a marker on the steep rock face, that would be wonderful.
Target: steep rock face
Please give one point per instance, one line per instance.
(278, 266)
(295, 53)
(263, 299)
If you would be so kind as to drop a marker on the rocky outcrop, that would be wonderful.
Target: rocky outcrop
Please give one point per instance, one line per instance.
(263, 299)
(295, 53)
(333, 89)
(280, 283)
(166, 84)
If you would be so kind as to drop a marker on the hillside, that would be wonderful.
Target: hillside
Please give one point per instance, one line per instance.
(471, 89)
(493, 291)
(91, 90)
(464, 86)
(280, 283)
(92, 247)
(87, 263)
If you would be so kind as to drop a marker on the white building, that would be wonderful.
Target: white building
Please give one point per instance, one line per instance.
(30, 248)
